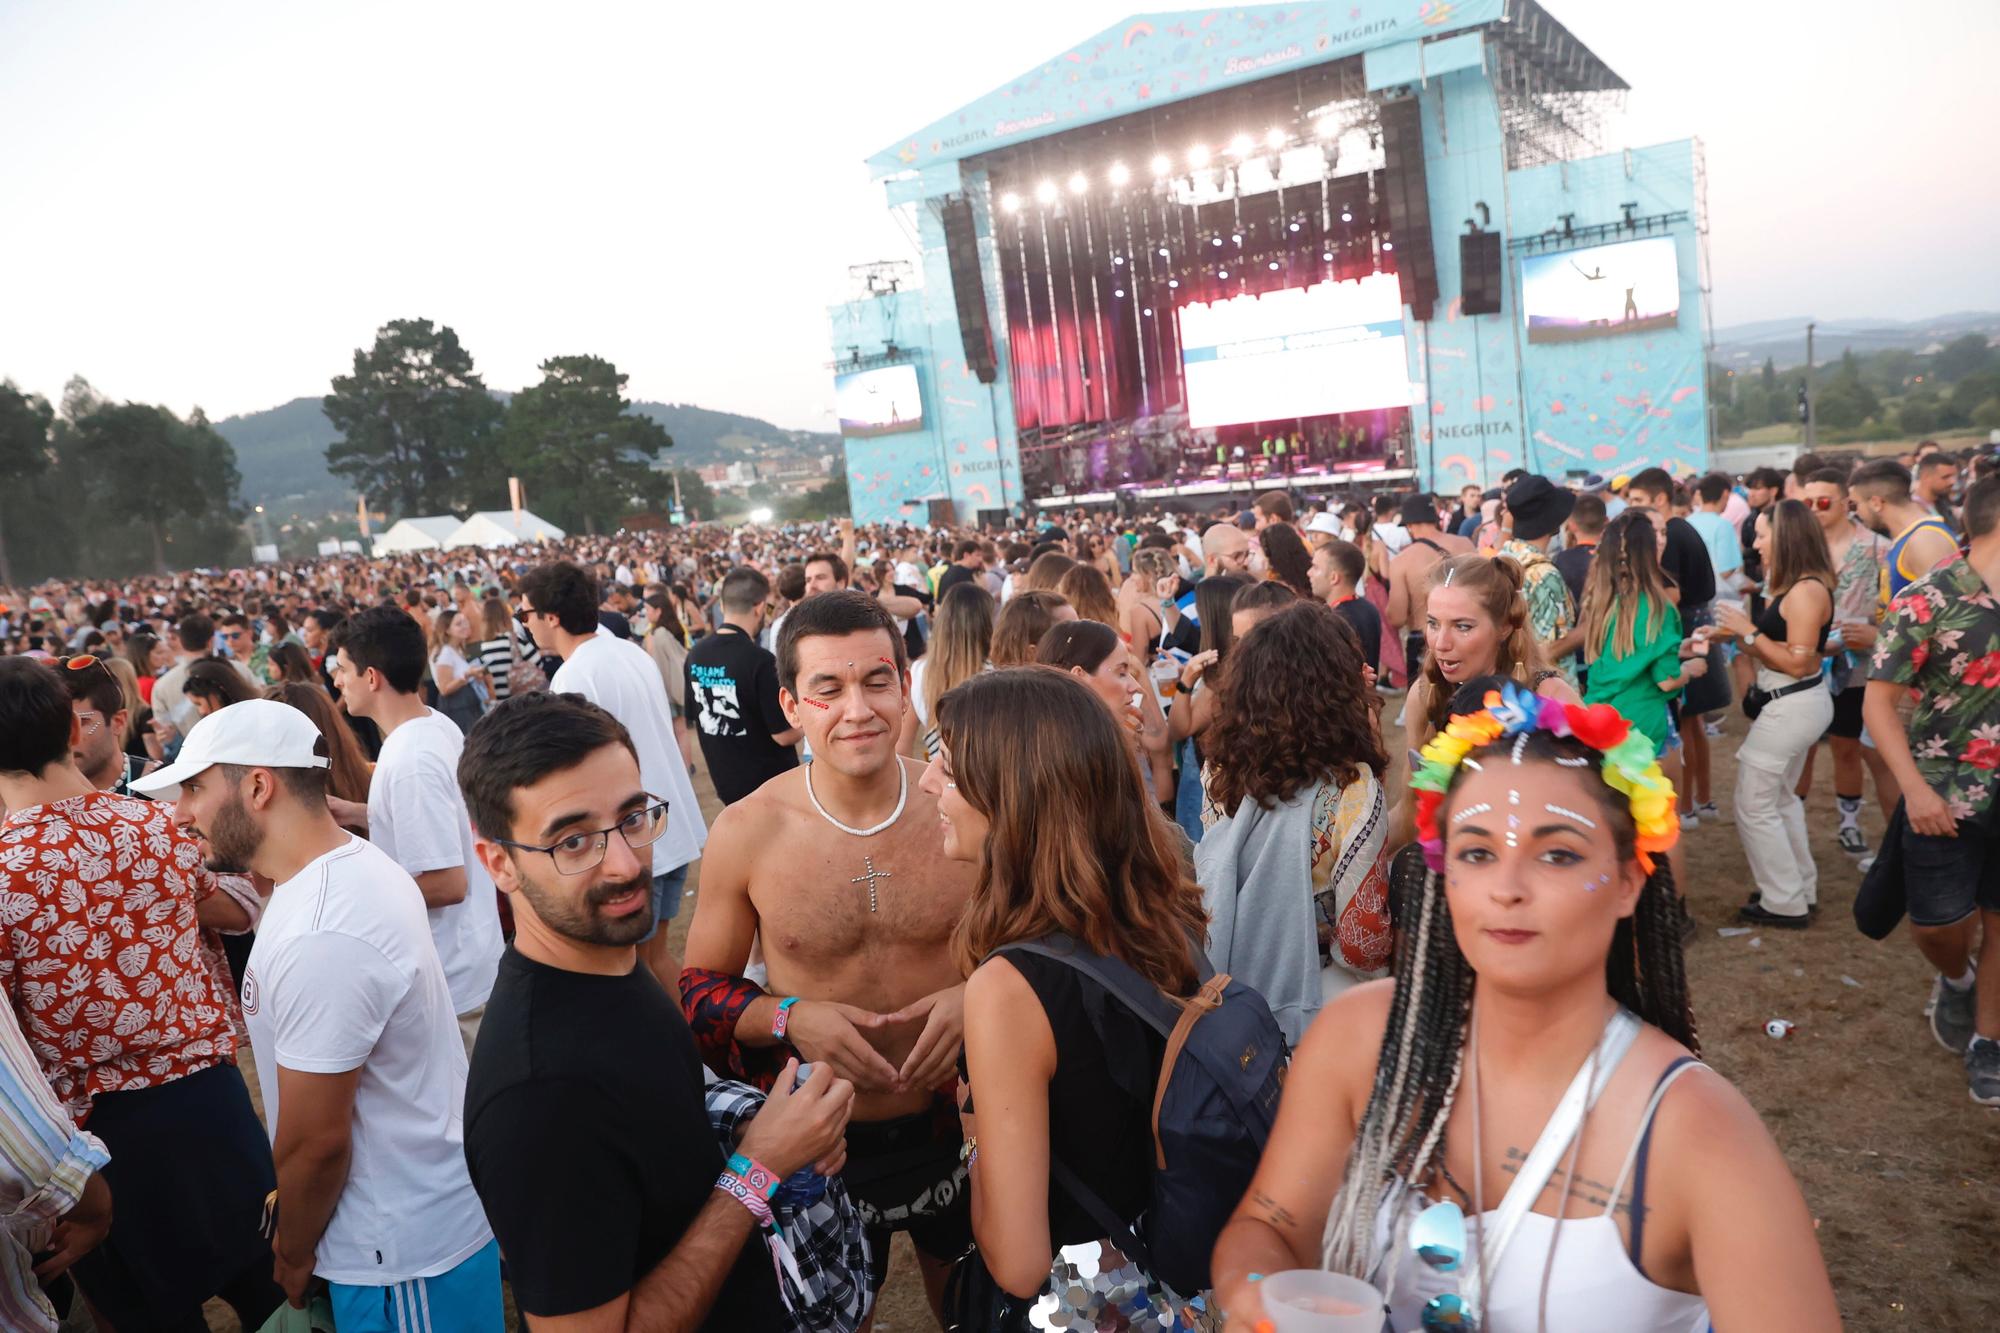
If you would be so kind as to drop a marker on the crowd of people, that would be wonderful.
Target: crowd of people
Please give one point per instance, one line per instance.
(1065, 911)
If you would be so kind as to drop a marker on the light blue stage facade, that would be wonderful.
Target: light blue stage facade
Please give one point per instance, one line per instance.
(1330, 245)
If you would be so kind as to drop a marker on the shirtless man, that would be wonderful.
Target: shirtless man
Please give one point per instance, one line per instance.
(839, 869)
(1409, 574)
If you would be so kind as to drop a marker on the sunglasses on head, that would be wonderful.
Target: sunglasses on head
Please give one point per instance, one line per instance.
(81, 662)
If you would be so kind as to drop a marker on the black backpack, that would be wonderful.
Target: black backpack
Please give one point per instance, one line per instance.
(1213, 1107)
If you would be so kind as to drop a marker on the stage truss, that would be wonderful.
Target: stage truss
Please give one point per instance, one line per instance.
(1557, 99)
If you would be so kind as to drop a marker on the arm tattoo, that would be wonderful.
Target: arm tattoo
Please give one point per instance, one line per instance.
(1274, 1212)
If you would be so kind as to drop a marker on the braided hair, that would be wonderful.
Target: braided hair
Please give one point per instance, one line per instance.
(1423, 1047)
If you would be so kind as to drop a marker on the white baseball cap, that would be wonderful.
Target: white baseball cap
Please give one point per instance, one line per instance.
(1328, 523)
(257, 733)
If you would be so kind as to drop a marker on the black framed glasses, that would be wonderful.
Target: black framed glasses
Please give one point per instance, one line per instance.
(578, 852)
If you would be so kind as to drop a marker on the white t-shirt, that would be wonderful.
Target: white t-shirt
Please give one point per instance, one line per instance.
(343, 976)
(621, 679)
(416, 813)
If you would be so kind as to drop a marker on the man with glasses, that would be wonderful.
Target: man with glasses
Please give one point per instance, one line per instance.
(414, 810)
(558, 604)
(585, 1100)
(361, 1066)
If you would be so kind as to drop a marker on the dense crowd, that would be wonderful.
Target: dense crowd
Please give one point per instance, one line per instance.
(1065, 910)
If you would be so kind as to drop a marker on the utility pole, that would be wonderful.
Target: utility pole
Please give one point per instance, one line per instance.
(1811, 434)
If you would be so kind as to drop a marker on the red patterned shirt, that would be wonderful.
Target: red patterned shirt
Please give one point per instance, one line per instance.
(100, 953)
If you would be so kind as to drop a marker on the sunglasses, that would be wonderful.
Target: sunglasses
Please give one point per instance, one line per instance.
(1824, 502)
(82, 662)
(1438, 1238)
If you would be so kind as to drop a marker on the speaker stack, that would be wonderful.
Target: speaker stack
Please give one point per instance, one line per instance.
(1479, 273)
(968, 288)
(1409, 203)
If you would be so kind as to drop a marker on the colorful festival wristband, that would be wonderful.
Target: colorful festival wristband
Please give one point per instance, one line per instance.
(738, 1189)
(756, 1175)
(783, 1017)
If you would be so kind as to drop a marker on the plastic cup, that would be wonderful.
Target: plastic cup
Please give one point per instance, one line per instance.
(1312, 1300)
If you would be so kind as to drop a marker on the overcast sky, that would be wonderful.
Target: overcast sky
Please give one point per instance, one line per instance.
(215, 203)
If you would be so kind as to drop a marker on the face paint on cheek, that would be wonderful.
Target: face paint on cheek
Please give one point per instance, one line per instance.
(817, 703)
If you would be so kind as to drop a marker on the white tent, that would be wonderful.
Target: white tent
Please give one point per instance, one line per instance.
(497, 527)
(418, 534)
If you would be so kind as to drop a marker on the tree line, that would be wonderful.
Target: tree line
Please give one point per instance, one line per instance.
(1890, 393)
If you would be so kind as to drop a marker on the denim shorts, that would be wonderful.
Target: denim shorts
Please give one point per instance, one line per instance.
(667, 897)
(1946, 879)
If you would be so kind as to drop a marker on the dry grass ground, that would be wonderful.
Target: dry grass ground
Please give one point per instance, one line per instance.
(1901, 1169)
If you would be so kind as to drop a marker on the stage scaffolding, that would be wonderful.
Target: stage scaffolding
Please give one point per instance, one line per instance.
(1557, 99)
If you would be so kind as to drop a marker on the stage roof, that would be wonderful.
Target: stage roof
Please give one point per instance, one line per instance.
(1155, 58)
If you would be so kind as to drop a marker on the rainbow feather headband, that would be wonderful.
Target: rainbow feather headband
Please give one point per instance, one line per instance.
(1630, 764)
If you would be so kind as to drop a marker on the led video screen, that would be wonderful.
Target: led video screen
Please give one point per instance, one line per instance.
(879, 402)
(1301, 352)
(1628, 287)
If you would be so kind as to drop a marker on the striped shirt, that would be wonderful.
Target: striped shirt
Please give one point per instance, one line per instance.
(45, 1161)
(498, 660)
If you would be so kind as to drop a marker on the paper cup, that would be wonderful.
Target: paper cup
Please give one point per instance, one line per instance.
(1311, 1300)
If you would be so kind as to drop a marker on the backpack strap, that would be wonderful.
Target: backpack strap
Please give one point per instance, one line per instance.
(1206, 1001)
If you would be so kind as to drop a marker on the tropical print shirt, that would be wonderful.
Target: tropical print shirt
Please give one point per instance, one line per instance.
(100, 952)
(1942, 639)
(1550, 614)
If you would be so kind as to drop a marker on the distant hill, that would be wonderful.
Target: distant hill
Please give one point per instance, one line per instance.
(281, 451)
(1784, 340)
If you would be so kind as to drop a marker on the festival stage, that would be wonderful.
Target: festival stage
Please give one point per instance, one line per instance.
(1209, 251)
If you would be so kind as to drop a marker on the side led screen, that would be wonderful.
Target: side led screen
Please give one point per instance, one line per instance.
(1303, 352)
(879, 402)
(1607, 289)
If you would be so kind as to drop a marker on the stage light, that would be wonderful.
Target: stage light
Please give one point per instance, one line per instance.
(1388, 245)
(1010, 202)
(1118, 291)
(1217, 242)
(1119, 173)
(1117, 259)
(1274, 137)
(1327, 127)
(1346, 215)
(1164, 254)
(1046, 192)
(1149, 312)
(1241, 145)
(1327, 256)
(1173, 284)
(1274, 266)
(1162, 165)
(1079, 183)
(1197, 157)
(1295, 226)
(1222, 273)
(1237, 237)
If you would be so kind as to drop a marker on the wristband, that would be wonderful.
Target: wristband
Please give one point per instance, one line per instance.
(734, 1186)
(755, 1174)
(783, 1018)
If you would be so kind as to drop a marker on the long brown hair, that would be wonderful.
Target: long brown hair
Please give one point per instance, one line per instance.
(961, 641)
(1292, 711)
(1495, 583)
(1074, 841)
(1798, 549)
(1046, 572)
(1625, 569)
(349, 775)
(1085, 588)
(1022, 623)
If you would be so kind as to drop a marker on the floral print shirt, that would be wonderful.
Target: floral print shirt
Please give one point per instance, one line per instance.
(100, 953)
(1942, 639)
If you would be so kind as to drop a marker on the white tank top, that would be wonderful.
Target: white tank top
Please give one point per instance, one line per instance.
(1593, 1285)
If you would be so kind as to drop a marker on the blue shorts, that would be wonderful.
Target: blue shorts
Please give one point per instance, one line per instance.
(1946, 880)
(465, 1299)
(667, 897)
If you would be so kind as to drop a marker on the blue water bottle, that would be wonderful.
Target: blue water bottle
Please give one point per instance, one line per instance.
(805, 1186)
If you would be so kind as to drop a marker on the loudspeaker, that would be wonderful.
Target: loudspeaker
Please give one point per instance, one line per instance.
(1409, 203)
(968, 288)
(1479, 273)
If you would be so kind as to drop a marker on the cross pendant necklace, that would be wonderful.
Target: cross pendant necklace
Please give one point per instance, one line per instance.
(869, 877)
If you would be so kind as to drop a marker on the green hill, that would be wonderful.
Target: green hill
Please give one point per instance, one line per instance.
(281, 451)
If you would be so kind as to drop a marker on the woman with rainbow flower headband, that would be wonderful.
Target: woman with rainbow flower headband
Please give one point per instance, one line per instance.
(1515, 1133)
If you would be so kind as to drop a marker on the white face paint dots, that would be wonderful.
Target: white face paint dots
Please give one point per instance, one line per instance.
(1567, 813)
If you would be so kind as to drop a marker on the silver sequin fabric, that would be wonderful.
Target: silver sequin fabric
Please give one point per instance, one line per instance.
(1094, 1288)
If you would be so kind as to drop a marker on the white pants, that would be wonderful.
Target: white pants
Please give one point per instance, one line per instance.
(1770, 817)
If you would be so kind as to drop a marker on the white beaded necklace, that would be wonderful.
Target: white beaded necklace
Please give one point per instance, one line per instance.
(902, 798)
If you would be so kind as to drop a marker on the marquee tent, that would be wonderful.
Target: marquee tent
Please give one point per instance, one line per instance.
(499, 527)
(418, 534)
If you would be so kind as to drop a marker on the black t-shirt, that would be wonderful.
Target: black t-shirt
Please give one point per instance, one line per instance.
(589, 1143)
(733, 701)
(1360, 613)
(1573, 563)
(617, 622)
(1687, 562)
(953, 576)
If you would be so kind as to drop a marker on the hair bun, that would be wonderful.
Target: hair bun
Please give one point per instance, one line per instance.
(1511, 570)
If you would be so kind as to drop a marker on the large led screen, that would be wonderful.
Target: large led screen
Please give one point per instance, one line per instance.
(1301, 352)
(1624, 288)
(879, 402)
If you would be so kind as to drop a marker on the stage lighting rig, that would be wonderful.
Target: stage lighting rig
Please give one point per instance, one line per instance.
(1197, 157)
(1274, 138)
(1163, 166)
(1010, 202)
(1241, 146)
(1119, 174)
(1078, 183)
(1045, 193)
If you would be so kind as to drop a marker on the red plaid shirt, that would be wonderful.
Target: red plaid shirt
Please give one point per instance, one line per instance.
(100, 954)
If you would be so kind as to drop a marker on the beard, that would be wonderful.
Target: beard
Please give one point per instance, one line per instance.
(576, 917)
(233, 839)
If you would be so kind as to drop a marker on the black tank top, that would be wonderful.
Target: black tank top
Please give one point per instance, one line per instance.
(1771, 624)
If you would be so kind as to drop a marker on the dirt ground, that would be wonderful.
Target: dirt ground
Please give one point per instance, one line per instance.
(1900, 1168)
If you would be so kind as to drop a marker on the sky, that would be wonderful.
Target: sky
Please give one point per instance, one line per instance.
(215, 204)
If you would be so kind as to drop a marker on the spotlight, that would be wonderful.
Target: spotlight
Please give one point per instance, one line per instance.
(1164, 254)
(1173, 284)
(1241, 145)
(1295, 226)
(1327, 256)
(1119, 173)
(1388, 245)
(1010, 202)
(1237, 237)
(1222, 273)
(1274, 137)
(1326, 127)
(1117, 260)
(1046, 192)
(1274, 266)
(1197, 157)
(1118, 291)
(1078, 183)
(1149, 312)
(1346, 215)
(1217, 242)
(1162, 165)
